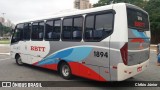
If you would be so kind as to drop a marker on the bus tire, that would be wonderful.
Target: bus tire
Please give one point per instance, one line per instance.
(19, 60)
(65, 71)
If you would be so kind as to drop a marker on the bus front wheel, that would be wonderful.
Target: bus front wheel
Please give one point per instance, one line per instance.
(19, 60)
(65, 71)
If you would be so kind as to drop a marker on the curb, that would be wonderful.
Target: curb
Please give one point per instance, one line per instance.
(4, 53)
(153, 45)
(153, 50)
(4, 44)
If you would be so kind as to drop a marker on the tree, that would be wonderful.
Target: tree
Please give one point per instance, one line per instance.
(4, 30)
(151, 6)
(1, 31)
(102, 3)
(140, 3)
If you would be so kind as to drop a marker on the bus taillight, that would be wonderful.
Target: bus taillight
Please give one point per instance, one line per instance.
(124, 53)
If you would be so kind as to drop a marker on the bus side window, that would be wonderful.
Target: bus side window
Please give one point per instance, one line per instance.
(56, 29)
(41, 30)
(72, 29)
(53, 28)
(38, 31)
(49, 29)
(103, 26)
(89, 27)
(67, 29)
(18, 33)
(27, 31)
(98, 26)
(77, 28)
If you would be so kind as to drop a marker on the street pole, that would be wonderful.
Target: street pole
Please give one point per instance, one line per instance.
(2, 24)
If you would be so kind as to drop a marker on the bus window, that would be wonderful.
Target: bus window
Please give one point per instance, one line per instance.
(89, 27)
(41, 30)
(49, 29)
(72, 29)
(103, 26)
(98, 27)
(137, 20)
(67, 29)
(26, 31)
(18, 33)
(37, 31)
(77, 28)
(53, 29)
(56, 29)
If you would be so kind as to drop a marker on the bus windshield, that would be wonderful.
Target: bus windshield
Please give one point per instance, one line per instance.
(137, 19)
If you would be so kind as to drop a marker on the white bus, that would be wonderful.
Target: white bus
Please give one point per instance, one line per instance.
(108, 43)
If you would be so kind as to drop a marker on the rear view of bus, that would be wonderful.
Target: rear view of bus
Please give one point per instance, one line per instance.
(135, 53)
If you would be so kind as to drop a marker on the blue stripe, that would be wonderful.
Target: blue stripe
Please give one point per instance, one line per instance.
(140, 35)
(79, 54)
(136, 33)
(72, 54)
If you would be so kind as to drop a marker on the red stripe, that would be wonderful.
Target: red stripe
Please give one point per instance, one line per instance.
(78, 69)
(35, 63)
(84, 71)
(137, 40)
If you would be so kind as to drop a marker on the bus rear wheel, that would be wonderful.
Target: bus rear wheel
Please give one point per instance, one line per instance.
(65, 71)
(19, 60)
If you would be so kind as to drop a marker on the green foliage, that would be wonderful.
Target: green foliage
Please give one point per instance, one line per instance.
(151, 6)
(101, 3)
(140, 3)
(4, 30)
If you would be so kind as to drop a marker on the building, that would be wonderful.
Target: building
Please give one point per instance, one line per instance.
(82, 4)
(5, 23)
(8, 23)
(2, 20)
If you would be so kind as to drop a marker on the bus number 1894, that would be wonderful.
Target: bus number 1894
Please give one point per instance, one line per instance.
(101, 54)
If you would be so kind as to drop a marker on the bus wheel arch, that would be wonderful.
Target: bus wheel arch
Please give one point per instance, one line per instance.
(17, 55)
(18, 60)
(64, 69)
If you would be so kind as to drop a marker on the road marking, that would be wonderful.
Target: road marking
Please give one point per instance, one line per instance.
(4, 59)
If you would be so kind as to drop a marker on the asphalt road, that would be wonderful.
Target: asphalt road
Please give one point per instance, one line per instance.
(4, 48)
(10, 71)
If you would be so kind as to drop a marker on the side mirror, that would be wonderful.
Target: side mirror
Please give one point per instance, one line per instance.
(12, 31)
(15, 39)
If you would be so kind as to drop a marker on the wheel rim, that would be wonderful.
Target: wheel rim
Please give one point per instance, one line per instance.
(19, 61)
(65, 70)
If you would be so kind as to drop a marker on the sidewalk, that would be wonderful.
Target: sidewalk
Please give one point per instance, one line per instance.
(4, 49)
(153, 47)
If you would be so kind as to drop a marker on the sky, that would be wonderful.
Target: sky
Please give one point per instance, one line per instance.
(19, 10)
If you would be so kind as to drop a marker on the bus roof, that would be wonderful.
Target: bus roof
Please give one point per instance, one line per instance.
(136, 7)
(77, 12)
